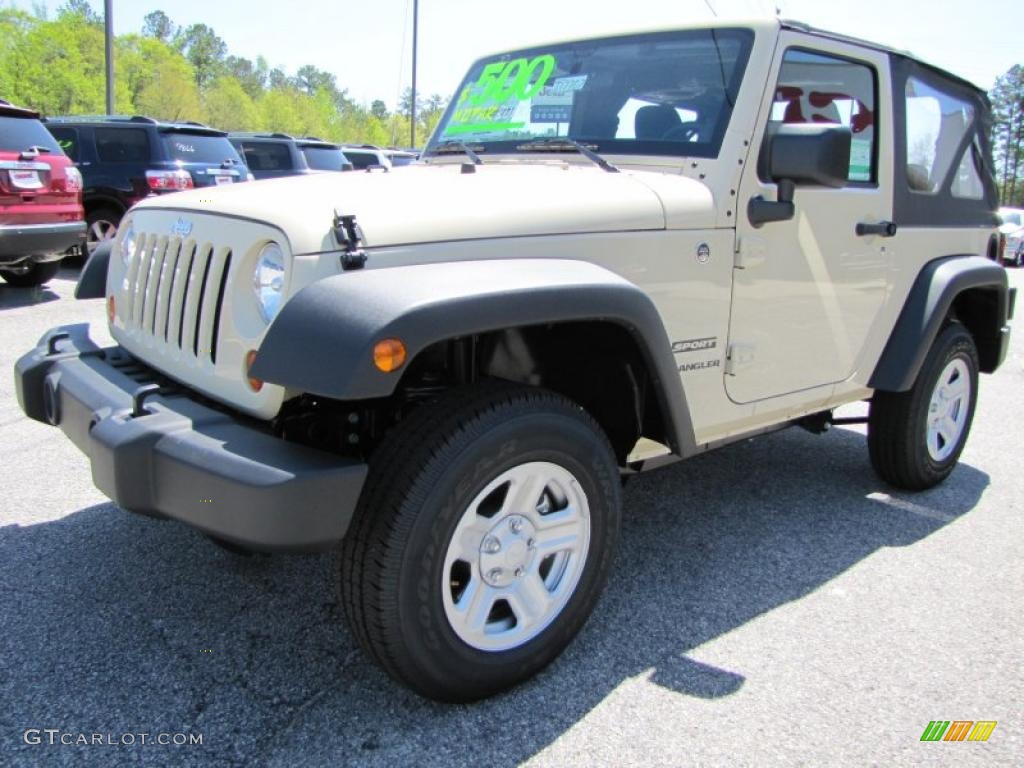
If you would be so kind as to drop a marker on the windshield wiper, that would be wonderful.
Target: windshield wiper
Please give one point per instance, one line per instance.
(457, 147)
(565, 144)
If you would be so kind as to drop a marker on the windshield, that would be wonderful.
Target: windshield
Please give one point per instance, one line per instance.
(1010, 217)
(324, 158)
(200, 148)
(668, 93)
(19, 133)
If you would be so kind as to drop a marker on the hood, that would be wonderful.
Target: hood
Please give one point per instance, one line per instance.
(440, 203)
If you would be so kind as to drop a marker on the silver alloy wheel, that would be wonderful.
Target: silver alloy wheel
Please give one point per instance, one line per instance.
(100, 231)
(516, 556)
(948, 409)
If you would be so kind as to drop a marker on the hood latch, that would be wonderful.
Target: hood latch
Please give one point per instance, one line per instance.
(350, 237)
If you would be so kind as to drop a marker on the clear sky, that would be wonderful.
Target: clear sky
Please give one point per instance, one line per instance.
(367, 45)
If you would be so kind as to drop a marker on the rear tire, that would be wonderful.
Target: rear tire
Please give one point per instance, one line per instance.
(443, 576)
(36, 275)
(915, 438)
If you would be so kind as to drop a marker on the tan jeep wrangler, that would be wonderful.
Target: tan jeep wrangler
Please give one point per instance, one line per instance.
(616, 253)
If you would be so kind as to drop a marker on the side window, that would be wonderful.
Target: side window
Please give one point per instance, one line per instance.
(817, 88)
(122, 145)
(67, 139)
(937, 125)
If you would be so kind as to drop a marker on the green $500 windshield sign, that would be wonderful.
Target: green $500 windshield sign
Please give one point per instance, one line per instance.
(501, 81)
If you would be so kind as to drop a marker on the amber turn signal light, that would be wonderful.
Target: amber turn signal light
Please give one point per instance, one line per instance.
(111, 309)
(389, 355)
(254, 384)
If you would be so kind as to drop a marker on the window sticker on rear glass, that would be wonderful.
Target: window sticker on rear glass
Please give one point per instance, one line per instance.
(490, 103)
(184, 148)
(860, 160)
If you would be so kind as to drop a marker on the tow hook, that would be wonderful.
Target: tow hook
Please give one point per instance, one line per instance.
(51, 343)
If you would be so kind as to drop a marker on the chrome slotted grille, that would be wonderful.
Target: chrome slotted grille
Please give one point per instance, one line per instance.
(175, 288)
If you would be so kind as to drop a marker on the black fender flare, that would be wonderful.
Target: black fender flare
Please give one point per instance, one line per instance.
(322, 341)
(92, 282)
(925, 310)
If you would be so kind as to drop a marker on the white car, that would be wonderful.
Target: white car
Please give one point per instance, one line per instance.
(369, 156)
(1011, 230)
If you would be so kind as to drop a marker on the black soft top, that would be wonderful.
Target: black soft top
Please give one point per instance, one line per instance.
(798, 26)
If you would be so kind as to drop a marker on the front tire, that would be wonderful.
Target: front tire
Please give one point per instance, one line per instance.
(482, 540)
(915, 438)
(40, 272)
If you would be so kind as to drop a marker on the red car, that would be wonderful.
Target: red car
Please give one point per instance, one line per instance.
(41, 215)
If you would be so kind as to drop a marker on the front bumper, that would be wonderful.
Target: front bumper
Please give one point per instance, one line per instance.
(177, 458)
(39, 242)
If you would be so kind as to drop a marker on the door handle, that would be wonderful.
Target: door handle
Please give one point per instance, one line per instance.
(882, 229)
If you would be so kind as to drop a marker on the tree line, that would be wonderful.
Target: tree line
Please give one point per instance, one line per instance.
(1008, 135)
(176, 73)
(171, 72)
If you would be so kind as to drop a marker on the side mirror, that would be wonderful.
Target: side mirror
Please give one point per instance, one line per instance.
(808, 154)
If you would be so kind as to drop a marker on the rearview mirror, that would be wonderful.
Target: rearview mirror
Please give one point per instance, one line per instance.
(806, 154)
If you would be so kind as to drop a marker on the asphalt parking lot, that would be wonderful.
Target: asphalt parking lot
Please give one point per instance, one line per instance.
(772, 603)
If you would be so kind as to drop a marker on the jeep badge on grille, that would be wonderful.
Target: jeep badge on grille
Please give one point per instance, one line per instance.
(181, 227)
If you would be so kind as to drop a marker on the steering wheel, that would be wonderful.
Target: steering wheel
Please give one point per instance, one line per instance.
(686, 132)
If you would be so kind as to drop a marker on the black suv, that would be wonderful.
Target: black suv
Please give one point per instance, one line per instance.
(124, 159)
(272, 155)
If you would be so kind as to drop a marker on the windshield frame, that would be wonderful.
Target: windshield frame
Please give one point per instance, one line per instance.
(612, 146)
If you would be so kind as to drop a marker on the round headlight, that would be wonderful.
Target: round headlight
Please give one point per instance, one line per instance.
(268, 280)
(127, 246)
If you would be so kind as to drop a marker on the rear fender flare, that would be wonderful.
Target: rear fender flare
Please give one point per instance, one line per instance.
(927, 308)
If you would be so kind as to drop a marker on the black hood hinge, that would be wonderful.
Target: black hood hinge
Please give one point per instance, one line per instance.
(350, 237)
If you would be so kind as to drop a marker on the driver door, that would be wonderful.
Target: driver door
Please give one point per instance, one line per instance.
(807, 291)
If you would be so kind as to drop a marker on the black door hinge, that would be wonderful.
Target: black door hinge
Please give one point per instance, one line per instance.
(350, 237)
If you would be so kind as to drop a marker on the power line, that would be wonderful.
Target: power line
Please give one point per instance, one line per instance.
(401, 74)
(415, 35)
(108, 52)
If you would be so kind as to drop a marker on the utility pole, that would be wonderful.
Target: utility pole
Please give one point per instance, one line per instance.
(108, 24)
(415, 30)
